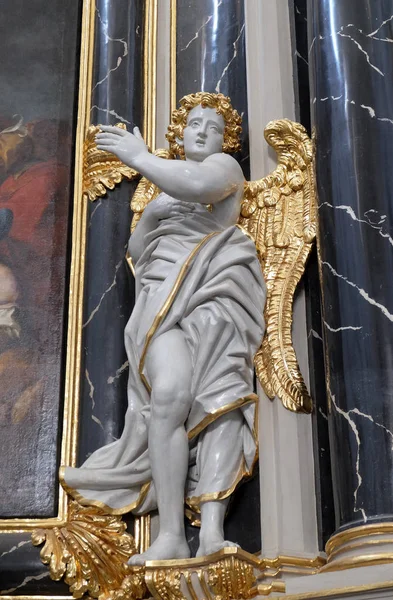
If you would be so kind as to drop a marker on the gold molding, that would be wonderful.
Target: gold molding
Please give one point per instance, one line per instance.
(343, 537)
(365, 540)
(344, 591)
(74, 332)
(172, 54)
(150, 73)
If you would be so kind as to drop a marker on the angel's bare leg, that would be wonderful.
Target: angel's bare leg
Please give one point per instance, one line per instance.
(169, 370)
(219, 470)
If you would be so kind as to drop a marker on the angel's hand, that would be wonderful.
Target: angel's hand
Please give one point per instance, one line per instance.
(164, 207)
(127, 146)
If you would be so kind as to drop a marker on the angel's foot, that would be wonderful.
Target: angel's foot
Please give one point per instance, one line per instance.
(166, 547)
(213, 542)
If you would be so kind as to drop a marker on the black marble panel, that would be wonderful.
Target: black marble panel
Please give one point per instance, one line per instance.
(351, 89)
(211, 56)
(109, 292)
(323, 475)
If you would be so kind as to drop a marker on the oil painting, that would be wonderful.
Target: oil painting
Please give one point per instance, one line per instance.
(38, 74)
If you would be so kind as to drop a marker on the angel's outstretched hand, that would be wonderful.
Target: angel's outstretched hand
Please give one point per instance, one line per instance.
(128, 147)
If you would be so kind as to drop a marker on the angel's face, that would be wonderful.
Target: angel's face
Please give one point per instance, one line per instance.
(204, 134)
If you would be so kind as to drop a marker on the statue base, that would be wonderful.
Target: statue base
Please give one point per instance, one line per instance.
(229, 574)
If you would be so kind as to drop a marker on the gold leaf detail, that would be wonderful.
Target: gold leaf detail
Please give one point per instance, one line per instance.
(165, 584)
(90, 551)
(232, 578)
(283, 225)
(101, 170)
(133, 586)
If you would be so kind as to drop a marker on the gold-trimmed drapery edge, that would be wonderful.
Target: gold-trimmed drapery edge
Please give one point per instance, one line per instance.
(74, 332)
(160, 316)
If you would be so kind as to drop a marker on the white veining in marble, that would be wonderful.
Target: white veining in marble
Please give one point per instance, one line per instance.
(315, 335)
(206, 22)
(337, 329)
(354, 428)
(235, 44)
(297, 53)
(112, 285)
(369, 418)
(118, 373)
(91, 389)
(15, 548)
(111, 112)
(359, 46)
(109, 39)
(97, 205)
(322, 413)
(361, 291)
(24, 582)
(378, 226)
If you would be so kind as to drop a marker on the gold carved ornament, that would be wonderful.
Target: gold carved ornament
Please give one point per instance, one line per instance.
(279, 213)
(90, 551)
(102, 170)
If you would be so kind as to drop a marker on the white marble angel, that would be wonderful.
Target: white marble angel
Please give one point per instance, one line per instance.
(190, 434)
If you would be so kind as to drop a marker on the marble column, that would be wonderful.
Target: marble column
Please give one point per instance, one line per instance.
(109, 294)
(351, 54)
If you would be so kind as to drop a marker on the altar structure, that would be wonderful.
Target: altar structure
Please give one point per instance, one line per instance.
(316, 520)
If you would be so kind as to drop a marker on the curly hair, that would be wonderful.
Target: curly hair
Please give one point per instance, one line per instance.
(223, 107)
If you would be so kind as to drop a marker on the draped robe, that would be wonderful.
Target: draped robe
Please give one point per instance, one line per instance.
(207, 280)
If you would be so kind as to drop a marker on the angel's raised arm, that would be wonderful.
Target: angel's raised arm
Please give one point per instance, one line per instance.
(207, 182)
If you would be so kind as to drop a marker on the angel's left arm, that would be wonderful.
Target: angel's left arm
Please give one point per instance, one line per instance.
(208, 182)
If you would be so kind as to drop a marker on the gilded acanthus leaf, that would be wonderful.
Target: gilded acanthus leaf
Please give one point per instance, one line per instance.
(90, 551)
(279, 212)
(101, 170)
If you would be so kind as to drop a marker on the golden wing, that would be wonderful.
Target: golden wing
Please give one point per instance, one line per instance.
(101, 170)
(279, 212)
(145, 193)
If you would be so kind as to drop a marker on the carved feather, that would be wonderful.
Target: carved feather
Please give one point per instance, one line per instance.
(279, 212)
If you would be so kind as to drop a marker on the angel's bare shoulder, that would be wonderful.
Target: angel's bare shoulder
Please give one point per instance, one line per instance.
(226, 163)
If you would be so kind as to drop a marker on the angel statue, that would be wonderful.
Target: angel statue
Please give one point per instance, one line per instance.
(200, 236)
